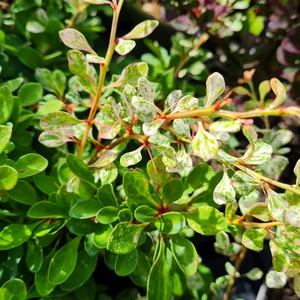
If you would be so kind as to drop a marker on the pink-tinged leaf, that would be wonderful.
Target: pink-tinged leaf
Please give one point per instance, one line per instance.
(95, 59)
(279, 90)
(105, 159)
(124, 46)
(142, 30)
(52, 140)
(74, 39)
(108, 131)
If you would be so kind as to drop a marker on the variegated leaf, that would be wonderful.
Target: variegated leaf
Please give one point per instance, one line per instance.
(124, 46)
(159, 140)
(152, 128)
(225, 158)
(250, 134)
(261, 154)
(126, 99)
(182, 127)
(145, 89)
(248, 201)
(74, 39)
(131, 158)
(297, 172)
(52, 140)
(277, 205)
(243, 183)
(204, 144)
(279, 90)
(186, 103)
(95, 59)
(184, 164)
(169, 155)
(142, 30)
(215, 86)
(224, 193)
(111, 109)
(108, 130)
(225, 126)
(105, 159)
(172, 99)
(145, 110)
(274, 167)
(78, 64)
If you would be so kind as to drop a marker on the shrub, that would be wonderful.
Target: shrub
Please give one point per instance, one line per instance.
(73, 197)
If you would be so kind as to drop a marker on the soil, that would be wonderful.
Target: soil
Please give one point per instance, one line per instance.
(286, 293)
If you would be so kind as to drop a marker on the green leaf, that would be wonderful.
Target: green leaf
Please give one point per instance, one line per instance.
(126, 263)
(13, 236)
(140, 274)
(279, 90)
(43, 286)
(59, 82)
(6, 104)
(224, 192)
(8, 178)
(13, 84)
(170, 223)
(108, 214)
(57, 121)
(44, 76)
(73, 39)
(47, 209)
(264, 89)
(30, 164)
(253, 239)
(79, 168)
(85, 267)
(259, 211)
(206, 220)
(204, 144)
(34, 256)
(124, 46)
(215, 86)
(124, 237)
(243, 183)
(63, 262)
(14, 289)
(159, 284)
(277, 205)
(136, 187)
(5, 135)
(23, 192)
(172, 191)
(46, 184)
(145, 213)
(255, 274)
(297, 172)
(78, 64)
(185, 254)
(280, 258)
(156, 170)
(106, 195)
(101, 236)
(82, 226)
(142, 30)
(30, 57)
(30, 93)
(85, 209)
(261, 154)
(131, 158)
(276, 279)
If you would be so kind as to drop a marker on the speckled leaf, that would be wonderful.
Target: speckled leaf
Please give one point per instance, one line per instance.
(276, 279)
(124, 46)
(109, 130)
(57, 121)
(95, 59)
(142, 30)
(172, 99)
(131, 158)
(243, 183)
(124, 237)
(111, 109)
(145, 110)
(206, 220)
(159, 140)
(78, 64)
(182, 127)
(223, 240)
(52, 140)
(277, 205)
(279, 90)
(185, 254)
(184, 164)
(215, 86)
(225, 126)
(186, 103)
(224, 193)
(293, 216)
(152, 127)
(274, 167)
(253, 239)
(132, 73)
(169, 155)
(145, 89)
(262, 154)
(74, 39)
(204, 144)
